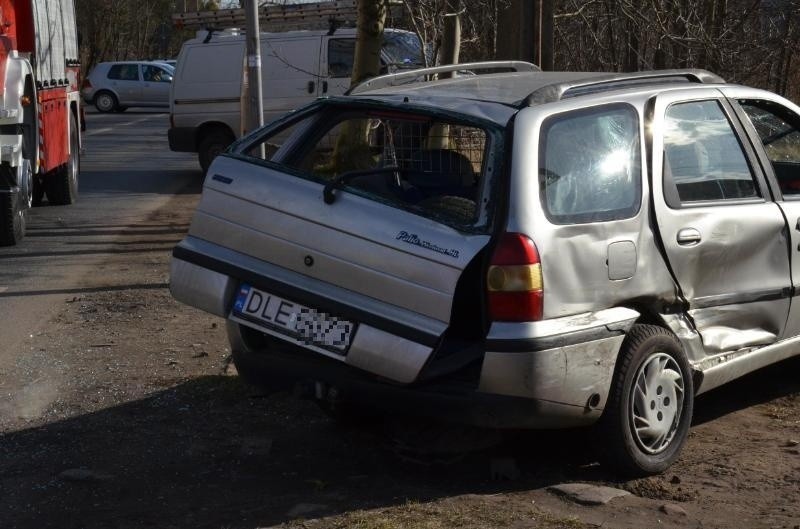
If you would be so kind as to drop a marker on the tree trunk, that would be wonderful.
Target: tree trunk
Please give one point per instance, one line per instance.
(371, 20)
(547, 28)
(451, 36)
(439, 135)
(351, 144)
(508, 29)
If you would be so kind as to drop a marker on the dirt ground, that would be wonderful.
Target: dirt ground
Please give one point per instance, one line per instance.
(124, 414)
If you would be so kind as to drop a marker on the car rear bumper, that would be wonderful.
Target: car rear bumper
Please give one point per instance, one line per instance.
(182, 139)
(569, 359)
(390, 342)
(454, 399)
(552, 374)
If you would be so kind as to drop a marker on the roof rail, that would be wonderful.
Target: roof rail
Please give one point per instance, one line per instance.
(559, 91)
(411, 76)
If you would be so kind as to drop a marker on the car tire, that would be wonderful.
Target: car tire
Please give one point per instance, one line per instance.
(211, 146)
(106, 102)
(247, 346)
(62, 187)
(649, 409)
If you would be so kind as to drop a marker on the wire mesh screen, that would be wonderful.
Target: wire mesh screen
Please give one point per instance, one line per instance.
(428, 151)
(413, 160)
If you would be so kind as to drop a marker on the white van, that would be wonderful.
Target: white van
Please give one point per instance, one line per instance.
(297, 67)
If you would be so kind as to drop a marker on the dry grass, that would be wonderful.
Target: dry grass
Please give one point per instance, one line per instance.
(460, 512)
(784, 410)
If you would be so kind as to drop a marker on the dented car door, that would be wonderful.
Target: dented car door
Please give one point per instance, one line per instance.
(773, 125)
(724, 237)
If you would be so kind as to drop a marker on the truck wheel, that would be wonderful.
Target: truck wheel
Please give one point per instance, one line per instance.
(650, 405)
(105, 102)
(62, 187)
(211, 146)
(12, 219)
(13, 209)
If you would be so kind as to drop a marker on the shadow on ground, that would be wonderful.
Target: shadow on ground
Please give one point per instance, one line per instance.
(212, 452)
(164, 182)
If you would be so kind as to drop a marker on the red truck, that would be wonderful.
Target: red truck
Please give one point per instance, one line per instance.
(39, 109)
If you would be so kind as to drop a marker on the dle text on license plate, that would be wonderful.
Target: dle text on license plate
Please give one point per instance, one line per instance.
(288, 318)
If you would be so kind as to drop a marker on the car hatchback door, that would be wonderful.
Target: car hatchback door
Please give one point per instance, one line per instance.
(373, 213)
(724, 238)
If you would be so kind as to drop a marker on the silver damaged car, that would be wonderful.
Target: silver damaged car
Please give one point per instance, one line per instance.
(514, 248)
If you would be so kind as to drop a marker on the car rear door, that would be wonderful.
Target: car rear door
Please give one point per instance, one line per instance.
(724, 237)
(126, 81)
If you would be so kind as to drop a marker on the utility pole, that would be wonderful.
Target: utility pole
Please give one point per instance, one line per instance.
(253, 111)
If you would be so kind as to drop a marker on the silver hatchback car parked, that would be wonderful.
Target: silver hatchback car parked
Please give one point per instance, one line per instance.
(512, 249)
(115, 86)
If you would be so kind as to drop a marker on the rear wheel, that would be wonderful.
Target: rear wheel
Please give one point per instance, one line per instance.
(14, 204)
(212, 145)
(246, 347)
(649, 409)
(105, 102)
(62, 187)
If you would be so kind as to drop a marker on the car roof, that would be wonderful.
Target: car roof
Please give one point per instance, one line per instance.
(526, 87)
(506, 88)
(487, 94)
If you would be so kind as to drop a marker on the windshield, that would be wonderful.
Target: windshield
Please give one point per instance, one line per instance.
(403, 49)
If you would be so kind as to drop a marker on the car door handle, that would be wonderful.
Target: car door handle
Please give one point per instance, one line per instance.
(688, 237)
(311, 87)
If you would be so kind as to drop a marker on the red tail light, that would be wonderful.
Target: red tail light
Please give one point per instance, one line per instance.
(86, 84)
(514, 280)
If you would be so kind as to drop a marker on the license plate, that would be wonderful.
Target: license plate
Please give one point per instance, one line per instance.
(305, 325)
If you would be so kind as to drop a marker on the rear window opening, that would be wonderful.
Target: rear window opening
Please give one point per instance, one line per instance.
(421, 163)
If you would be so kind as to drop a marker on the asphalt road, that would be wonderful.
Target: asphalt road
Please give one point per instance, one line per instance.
(127, 173)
